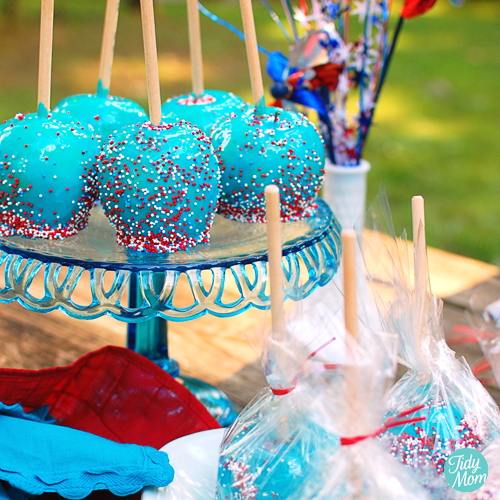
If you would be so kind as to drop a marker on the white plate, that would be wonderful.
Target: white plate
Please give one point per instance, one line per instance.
(194, 459)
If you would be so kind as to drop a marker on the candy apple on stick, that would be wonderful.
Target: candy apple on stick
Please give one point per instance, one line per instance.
(46, 179)
(158, 183)
(264, 146)
(458, 411)
(272, 446)
(104, 112)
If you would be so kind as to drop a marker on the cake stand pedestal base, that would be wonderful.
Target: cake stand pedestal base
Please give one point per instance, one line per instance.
(150, 339)
(214, 400)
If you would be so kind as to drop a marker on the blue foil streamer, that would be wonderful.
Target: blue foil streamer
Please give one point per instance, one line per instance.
(277, 20)
(229, 26)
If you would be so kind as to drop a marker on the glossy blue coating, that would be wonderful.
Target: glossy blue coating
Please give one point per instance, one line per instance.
(279, 147)
(271, 450)
(448, 426)
(202, 111)
(279, 480)
(105, 113)
(282, 477)
(46, 177)
(441, 422)
(159, 186)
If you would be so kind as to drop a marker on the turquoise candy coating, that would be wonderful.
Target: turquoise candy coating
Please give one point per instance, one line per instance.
(444, 430)
(245, 475)
(159, 186)
(46, 176)
(104, 113)
(441, 419)
(261, 457)
(202, 111)
(279, 147)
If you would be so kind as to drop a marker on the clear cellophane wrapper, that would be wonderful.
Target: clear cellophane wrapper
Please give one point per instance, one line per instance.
(459, 411)
(325, 305)
(484, 316)
(274, 445)
(348, 401)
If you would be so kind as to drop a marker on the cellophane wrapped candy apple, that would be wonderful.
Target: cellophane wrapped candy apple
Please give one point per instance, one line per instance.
(484, 315)
(273, 445)
(459, 411)
(348, 401)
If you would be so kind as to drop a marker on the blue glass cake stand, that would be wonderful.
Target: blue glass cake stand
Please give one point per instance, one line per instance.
(225, 278)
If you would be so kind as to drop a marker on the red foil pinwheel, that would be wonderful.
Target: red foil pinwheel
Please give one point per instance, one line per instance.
(415, 8)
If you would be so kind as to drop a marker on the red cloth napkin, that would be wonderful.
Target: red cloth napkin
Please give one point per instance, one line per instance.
(112, 392)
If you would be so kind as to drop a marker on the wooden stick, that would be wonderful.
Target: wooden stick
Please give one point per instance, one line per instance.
(108, 44)
(252, 53)
(151, 55)
(347, 20)
(352, 373)
(350, 289)
(273, 211)
(419, 249)
(45, 56)
(195, 47)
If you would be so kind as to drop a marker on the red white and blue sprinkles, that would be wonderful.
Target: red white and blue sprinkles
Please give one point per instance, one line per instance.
(281, 148)
(431, 442)
(46, 177)
(202, 111)
(159, 186)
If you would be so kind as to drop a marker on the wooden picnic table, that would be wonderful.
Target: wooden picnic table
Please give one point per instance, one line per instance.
(213, 349)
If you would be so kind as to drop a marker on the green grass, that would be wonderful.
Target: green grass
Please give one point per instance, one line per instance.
(437, 130)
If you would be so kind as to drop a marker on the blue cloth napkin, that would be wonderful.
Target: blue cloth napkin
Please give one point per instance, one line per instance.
(39, 457)
(37, 415)
(3, 494)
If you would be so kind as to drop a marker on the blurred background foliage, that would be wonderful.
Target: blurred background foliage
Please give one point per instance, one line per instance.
(437, 130)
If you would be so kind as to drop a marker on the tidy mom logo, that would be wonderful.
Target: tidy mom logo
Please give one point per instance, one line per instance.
(466, 470)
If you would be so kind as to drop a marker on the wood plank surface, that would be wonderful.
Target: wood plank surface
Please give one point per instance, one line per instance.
(450, 274)
(453, 274)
